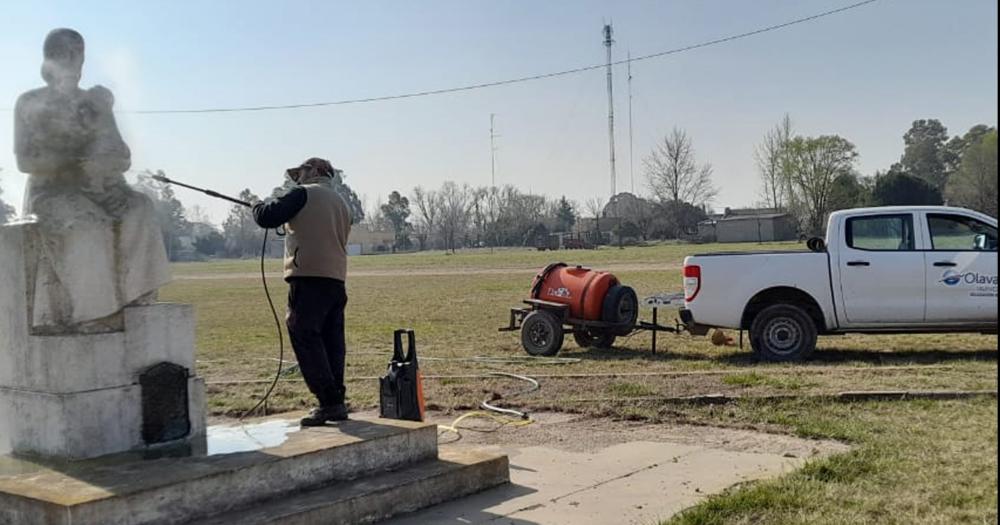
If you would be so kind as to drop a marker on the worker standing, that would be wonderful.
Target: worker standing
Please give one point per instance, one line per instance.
(317, 222)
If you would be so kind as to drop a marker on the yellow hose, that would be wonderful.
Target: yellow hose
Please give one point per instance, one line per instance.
(503, 421)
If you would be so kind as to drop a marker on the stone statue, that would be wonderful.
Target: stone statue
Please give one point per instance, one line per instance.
(96, 247)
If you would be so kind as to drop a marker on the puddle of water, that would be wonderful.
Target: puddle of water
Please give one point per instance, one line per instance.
(247, 438)
(219, 439)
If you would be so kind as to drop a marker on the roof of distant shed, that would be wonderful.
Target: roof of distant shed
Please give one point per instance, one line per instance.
(763, 216)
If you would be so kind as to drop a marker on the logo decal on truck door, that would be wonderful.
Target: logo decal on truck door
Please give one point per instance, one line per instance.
(951, 278)
(982, 285)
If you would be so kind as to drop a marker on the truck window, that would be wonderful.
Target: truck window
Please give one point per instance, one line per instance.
(957, 233)
(881, 233)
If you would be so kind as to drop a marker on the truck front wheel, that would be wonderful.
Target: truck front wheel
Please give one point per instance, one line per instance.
(783, 332)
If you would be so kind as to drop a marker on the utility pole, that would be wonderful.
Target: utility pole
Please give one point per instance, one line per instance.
(631, 157)
(493, 154)
(611, 108)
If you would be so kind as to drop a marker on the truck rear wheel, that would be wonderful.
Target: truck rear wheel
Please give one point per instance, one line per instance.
(783, 332)
(541, 334)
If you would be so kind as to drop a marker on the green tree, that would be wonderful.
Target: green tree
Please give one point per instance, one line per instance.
(925, 155)
(243, 236)
(956, 147)
(350, 197)
(397, 212)
(812, 166)
(169, 210)
(975, 184)
(899, 189)
(565, 215)
(211, 243)
(848, 191)
(6, 210)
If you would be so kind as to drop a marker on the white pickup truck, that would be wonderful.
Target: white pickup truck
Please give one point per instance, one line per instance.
(880, 270)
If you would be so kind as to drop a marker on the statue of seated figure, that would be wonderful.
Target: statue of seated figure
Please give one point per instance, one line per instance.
(96, 247)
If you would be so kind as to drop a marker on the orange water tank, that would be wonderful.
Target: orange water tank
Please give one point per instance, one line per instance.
(581, 288)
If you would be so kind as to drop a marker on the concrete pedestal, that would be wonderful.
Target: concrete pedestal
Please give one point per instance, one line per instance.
(263, 472)
(75, 396)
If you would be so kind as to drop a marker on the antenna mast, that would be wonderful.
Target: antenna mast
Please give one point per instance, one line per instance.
(493, 154)
(611, 108)
(631, 157)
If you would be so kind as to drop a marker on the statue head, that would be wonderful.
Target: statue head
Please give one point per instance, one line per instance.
(63, 65)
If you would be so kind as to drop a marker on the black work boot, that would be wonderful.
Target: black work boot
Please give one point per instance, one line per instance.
(319, 416)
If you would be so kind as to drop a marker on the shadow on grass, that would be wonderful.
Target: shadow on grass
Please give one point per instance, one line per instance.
(734, 356)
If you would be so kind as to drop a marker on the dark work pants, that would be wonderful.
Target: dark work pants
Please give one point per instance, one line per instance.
(316, 327)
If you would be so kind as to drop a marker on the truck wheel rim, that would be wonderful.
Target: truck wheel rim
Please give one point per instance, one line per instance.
(783, 335)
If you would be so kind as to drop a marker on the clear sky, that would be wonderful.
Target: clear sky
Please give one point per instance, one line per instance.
(864, 74)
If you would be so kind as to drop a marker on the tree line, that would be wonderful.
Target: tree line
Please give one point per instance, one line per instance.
(806, 176)
(813, 176)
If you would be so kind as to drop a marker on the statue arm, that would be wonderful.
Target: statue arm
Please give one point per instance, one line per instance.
(31, 159)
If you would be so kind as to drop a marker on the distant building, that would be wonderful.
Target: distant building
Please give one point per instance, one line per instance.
(749, 225)
(365, 241)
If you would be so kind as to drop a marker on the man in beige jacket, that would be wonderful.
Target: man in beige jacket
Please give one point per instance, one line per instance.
(317, 221)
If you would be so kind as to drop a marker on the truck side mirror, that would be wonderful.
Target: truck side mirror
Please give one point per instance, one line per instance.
(816, 244)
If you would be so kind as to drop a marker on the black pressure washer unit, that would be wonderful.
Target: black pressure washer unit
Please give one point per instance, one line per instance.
(401, 390)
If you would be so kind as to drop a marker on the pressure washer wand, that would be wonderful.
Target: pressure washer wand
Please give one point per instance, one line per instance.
(210, 193)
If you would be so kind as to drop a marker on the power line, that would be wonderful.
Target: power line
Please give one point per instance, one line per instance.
(517, 80)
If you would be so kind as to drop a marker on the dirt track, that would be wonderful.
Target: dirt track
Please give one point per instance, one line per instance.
(408, 272)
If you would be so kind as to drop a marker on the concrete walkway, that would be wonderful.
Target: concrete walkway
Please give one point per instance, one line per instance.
(631, 482)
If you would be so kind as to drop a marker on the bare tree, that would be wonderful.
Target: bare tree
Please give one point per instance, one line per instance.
(454, 209)
(814, 164)
(770, 157)
(595, 207)
(428, 208)
(479, 212)
(673, 173)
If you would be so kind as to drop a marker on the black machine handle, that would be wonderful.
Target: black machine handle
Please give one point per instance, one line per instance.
(411, 345)
(858, 263)
(210, 193)
(945, 264)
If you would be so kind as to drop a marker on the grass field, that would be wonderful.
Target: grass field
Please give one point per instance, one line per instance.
(914, 461)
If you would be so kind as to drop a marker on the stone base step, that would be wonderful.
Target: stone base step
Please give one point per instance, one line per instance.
(239, 467)
(453, 475)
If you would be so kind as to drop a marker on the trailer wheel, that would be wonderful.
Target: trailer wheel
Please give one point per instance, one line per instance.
(620, 308)
(783, 332)
(541, 333)
(592, 339)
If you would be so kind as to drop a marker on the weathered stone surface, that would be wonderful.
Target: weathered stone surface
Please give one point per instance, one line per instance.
(453, 475)
(126, 489)
(96, 247)
(82, 424)
(71, 363)
(13, 295)
(77, 395)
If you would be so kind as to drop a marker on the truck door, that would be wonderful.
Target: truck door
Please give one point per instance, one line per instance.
(961, 269)
(881, 272)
